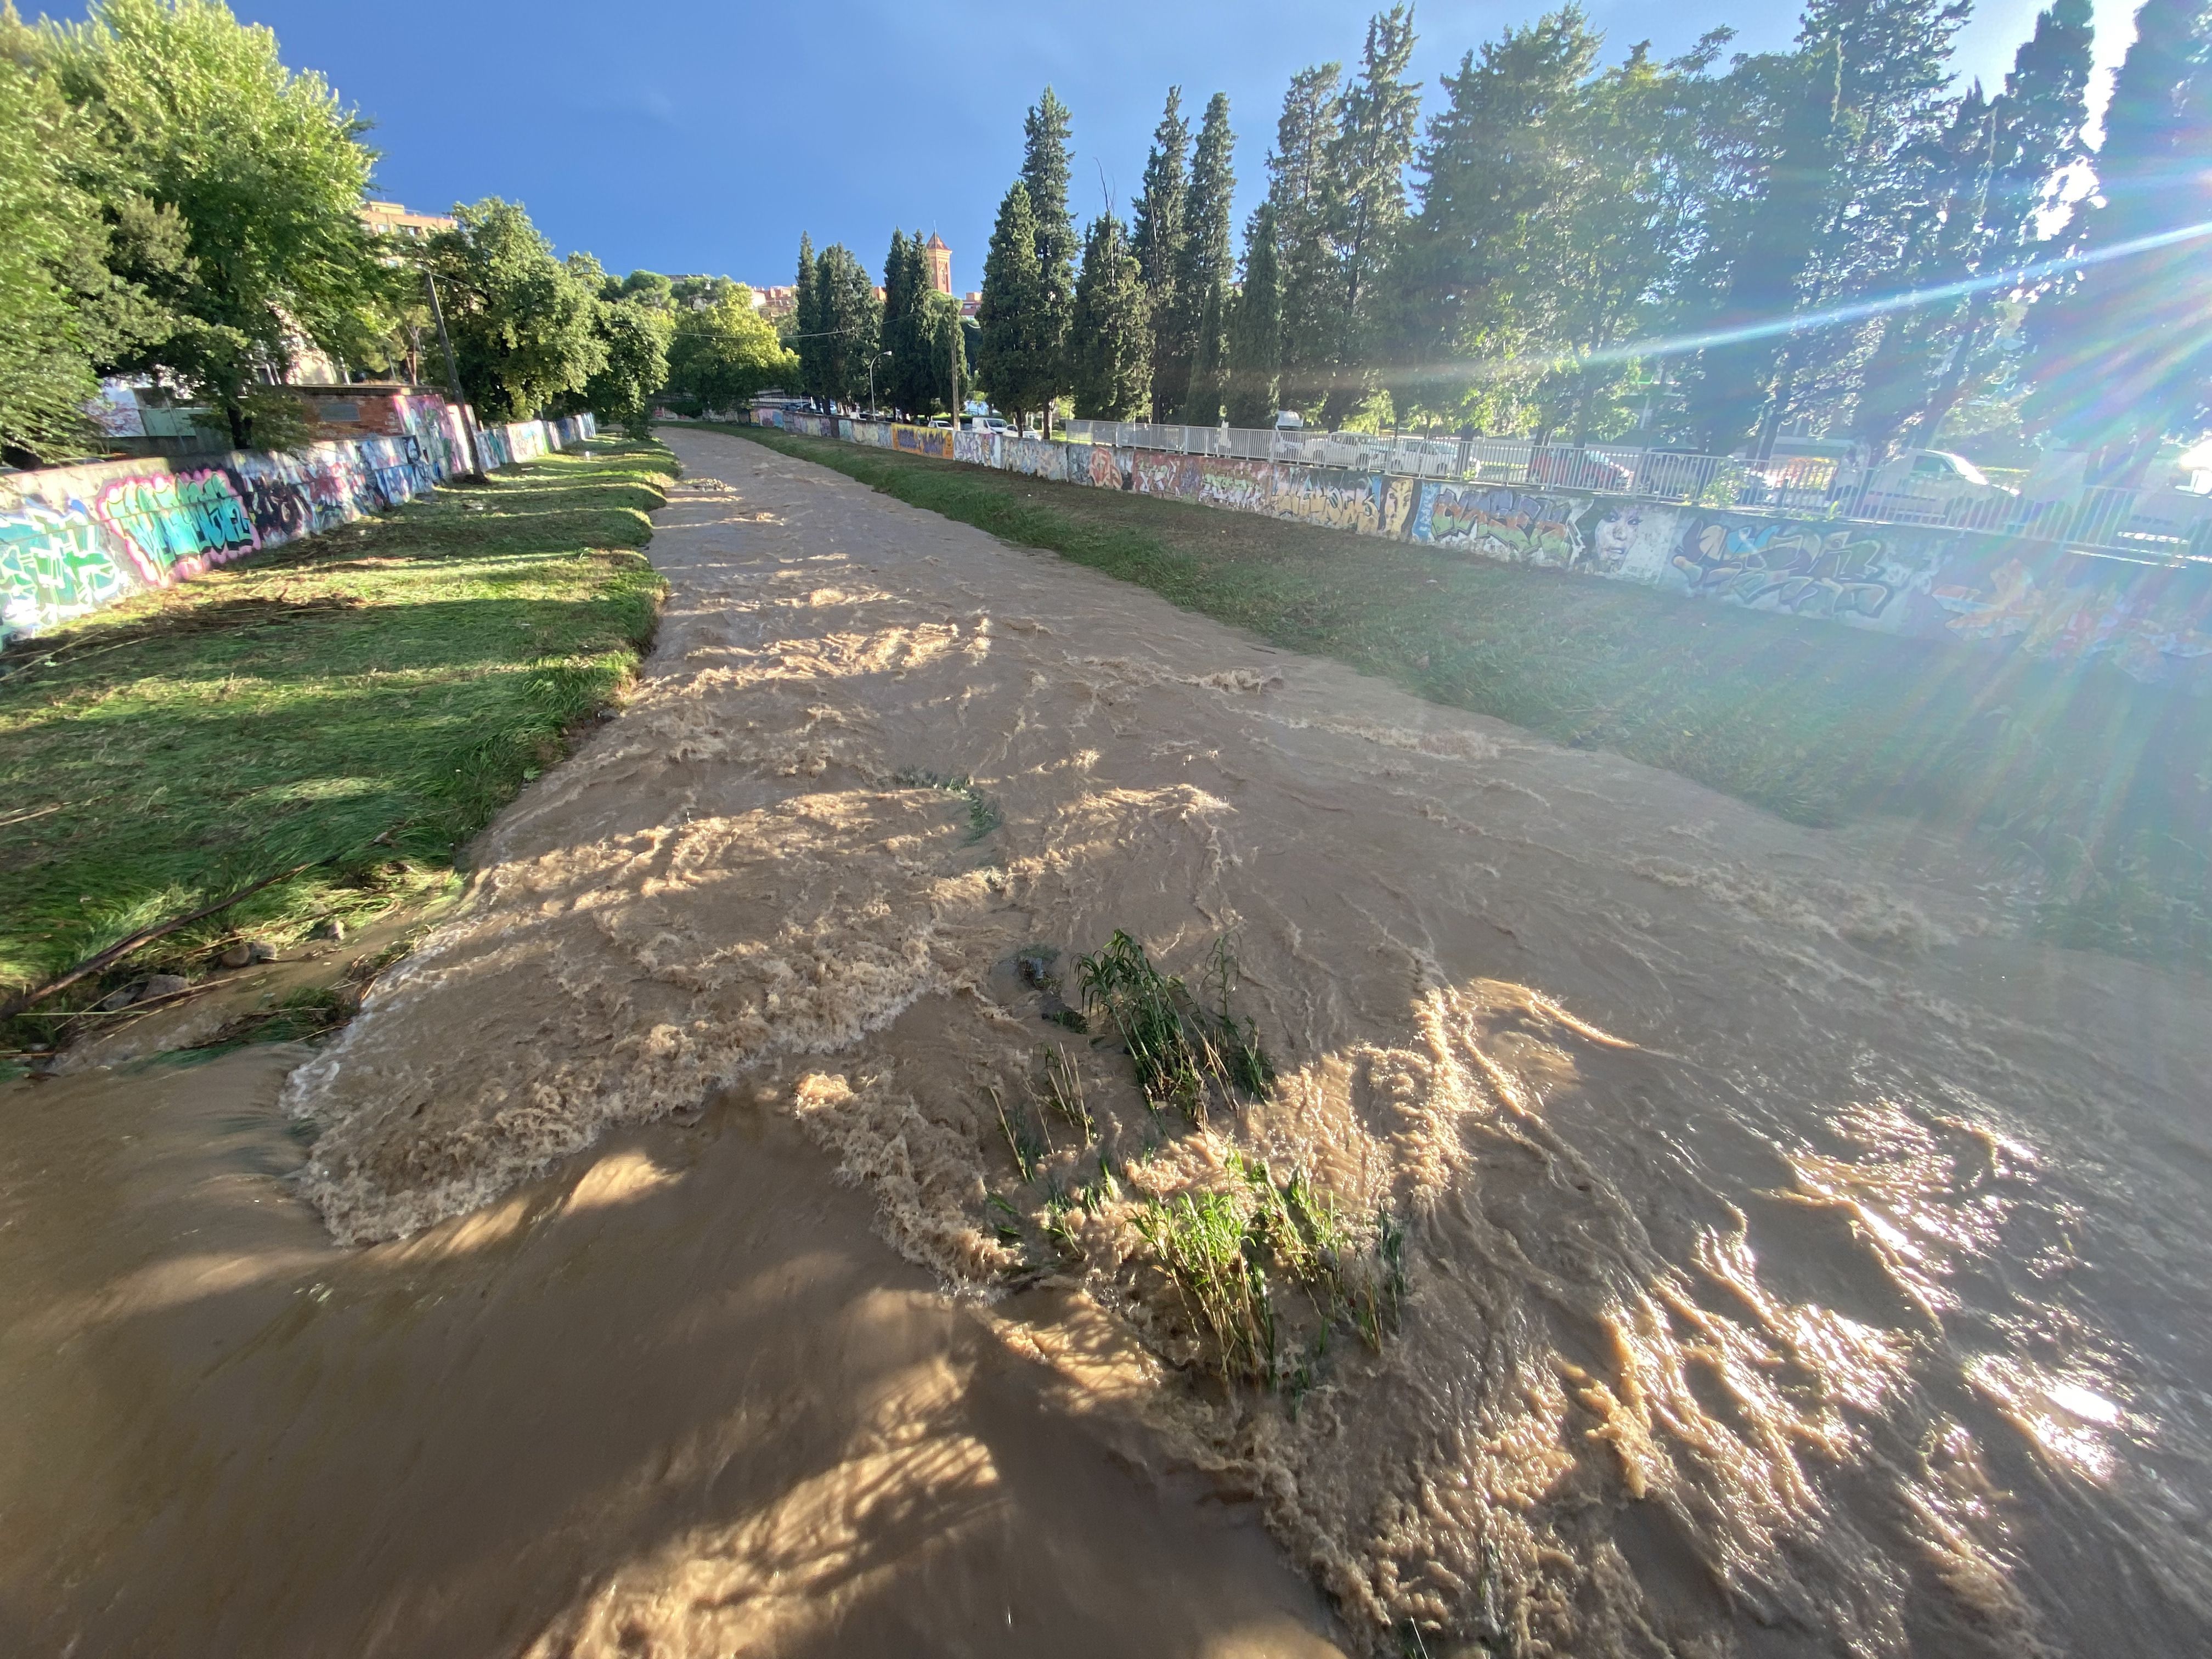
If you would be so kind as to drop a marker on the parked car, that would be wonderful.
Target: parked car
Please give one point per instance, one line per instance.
(1927, 485)
(1564, 466)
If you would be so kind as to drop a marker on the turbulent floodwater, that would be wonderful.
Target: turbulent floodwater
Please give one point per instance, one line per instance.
(1797, 1260)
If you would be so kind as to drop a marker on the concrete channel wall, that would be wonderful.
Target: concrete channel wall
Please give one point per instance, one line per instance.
(75, 538)
(2151, 622)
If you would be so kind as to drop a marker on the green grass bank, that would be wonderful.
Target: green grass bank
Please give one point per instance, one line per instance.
(2100, 787)
(368, 697)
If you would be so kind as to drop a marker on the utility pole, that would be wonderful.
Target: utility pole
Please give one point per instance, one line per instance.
(454, 378)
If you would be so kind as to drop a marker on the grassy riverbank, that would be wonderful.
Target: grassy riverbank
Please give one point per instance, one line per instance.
(369, 697)
(2100, 785)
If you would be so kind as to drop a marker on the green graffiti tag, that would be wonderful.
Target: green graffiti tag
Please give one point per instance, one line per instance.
(54, 564)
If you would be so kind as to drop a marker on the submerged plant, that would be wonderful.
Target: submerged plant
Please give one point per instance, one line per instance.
(1203, 1242)
(983, 811)
(1062, 1094)
(1023, 1139)
(1225, 1250)
(1175, 1043)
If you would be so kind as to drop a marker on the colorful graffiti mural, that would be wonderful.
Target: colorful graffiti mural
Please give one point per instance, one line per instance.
(2153, 624)
(75, 538)
(1499, 523)
(1857, 574)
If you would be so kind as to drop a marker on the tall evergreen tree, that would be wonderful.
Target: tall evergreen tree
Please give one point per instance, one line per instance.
(901, 304)
(1204, 265)
(1209, 362)
(1111, 334)
(1783, 229)
(1019, 351)
(1044, 171)
(1374, 146)
(1472, 279)
(1156, 239)
(851, 321)
(806, 321)
(1255, 326)
(2124, 357)
(1302, 190)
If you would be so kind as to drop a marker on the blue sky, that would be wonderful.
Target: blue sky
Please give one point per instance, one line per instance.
(705, 135)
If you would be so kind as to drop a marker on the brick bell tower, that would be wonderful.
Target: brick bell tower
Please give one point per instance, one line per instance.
(940, 264)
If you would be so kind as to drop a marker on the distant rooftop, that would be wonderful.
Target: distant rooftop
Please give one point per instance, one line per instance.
(393, 219)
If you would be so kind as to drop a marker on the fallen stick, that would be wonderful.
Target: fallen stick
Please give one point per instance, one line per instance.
(115, 952)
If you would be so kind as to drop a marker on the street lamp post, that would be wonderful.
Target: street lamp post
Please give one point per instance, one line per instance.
(879, 357)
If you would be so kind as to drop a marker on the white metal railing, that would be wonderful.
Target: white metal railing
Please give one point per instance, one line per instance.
(2160, 524)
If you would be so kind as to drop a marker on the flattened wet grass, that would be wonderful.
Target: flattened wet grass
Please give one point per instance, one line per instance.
(372, 697)
(2099, 787)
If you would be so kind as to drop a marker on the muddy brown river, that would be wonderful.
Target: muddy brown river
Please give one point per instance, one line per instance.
(679, 1254)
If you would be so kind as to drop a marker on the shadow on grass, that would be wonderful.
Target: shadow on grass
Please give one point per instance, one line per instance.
(371, 695)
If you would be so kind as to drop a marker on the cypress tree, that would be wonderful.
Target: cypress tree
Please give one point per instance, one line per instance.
(851, 322)
(898, 325)
(1111, 333)
(806, 322)
(1375, 142)
(1208, 364)
(1302, 197)
(2125, 358)
(1255, 327)
(1156, 239)
(1204, 265)
(1044, 172)
(1018, 352)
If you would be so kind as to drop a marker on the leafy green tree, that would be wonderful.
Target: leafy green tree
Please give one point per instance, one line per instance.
(1156, 237)
(2124, 357)
(1630, 224)
(1044, 171)
(524, 326)
(1205, 262)
(634, 335)
(2036, 140)
(648, 288)
(62, 312)
(722, 351)
(1111, 332)
(1302, 200)
(850, 320)
(1255, 327)
(944, 334)
(1019, 351)
(262, 170)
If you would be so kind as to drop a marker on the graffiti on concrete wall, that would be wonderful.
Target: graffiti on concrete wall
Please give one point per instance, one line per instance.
(1105, 467)
(55, 564)
(1499, 523)
(2154, 625)
(1628, 541)
(75, 538)
(1862, 574)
